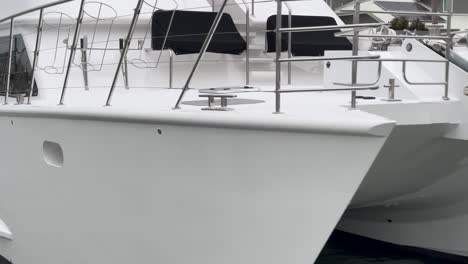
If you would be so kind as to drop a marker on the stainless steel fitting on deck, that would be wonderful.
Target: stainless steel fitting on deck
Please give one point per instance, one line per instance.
(391, 91)
(223, 101)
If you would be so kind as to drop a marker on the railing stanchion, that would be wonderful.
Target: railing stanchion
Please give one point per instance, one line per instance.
(278, 47)
(84, 60)
(290, 47)
(354, 70)
(10, 60)
(448, 48)
(124, 52)
(171, 69)
(73, 48)
(125, 63)
(247, 52)
(36, 53)
(253, 8)
(207, 42)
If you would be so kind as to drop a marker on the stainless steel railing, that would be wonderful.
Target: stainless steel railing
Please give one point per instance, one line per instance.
(124, 52)
(355, 34)
(448, 37)
(247, 40)
(354, 58)
(141, 43)
(73, 48)
(289, 42)
(208, 39)
(37, 8)
(11, 19)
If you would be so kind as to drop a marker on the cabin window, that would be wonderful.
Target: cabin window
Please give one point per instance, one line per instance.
(21, 73)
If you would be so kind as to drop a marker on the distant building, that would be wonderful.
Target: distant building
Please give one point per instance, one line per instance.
(460, 6)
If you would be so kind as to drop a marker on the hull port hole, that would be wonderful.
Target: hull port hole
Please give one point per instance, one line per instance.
(53, 154)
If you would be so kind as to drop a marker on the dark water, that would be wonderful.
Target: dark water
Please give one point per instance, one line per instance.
(347, 249)
(343, 248)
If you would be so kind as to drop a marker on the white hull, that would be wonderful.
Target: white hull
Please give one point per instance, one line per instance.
(430, 207)
(192, 194)
(415, 192)
(140, 182)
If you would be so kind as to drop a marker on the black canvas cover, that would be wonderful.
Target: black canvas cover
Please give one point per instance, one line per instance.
(21, 77)
(307, 43)
(189, 30)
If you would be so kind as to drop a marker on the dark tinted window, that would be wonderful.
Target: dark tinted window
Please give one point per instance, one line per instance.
(21, 67)
(364, 18)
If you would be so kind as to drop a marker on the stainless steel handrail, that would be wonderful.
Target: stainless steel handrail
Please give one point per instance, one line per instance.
(448, 49)
(323, 58)
(290, 55)
(141, 44)
(36, 53)
(278, 46)
(247, 40)
(10, 60)
(124, 52)
(405, 77)
(11, 18)
(323, 28)
(291, 29)
(73, 48)
(168, 30)
(355, 58)
(347, 11)
(171, 69)
(379, 70)
(401, 12)
(379, 75)
(202, 53)
(393, 36)
(407, 60)
(354, 70)
(363, 88)
(253, 7)
(37, 8)
(447, 38)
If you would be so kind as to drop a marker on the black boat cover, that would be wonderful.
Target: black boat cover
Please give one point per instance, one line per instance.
(307, 43)
(189, 30)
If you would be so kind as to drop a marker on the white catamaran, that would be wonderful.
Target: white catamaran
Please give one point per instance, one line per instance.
(226, 131)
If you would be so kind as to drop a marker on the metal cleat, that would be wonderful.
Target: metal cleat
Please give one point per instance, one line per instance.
(223, 104)
(391, 91)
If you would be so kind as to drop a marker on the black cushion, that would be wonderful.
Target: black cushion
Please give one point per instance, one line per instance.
(189, 30)
(307, 43)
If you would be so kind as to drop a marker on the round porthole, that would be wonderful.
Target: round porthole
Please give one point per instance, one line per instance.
(409, 47)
